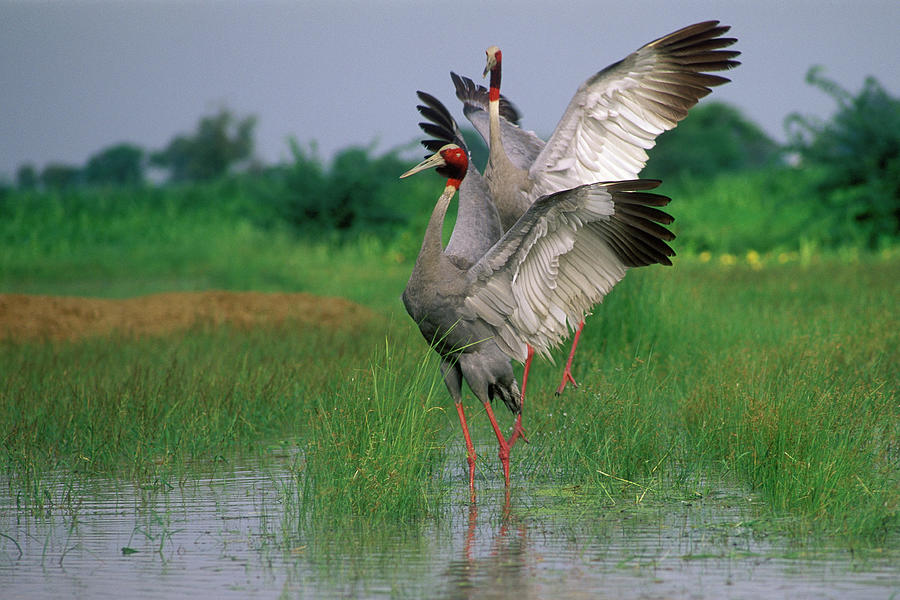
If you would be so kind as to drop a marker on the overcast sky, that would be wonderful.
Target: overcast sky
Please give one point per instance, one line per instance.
(79, 76)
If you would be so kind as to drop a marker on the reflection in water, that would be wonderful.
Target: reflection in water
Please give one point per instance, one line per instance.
(224, 535)
(461, 572)
(504, 566)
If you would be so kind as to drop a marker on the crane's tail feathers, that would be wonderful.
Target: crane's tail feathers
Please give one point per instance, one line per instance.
(510, 395)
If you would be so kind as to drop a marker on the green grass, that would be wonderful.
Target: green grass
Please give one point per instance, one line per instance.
(769, 364)
(230, 234)
(119, 243)
(375, 443)
(110, 403)
(784, 378)
(359, 406)
(768, 377)
(754, 210)
(770, 211)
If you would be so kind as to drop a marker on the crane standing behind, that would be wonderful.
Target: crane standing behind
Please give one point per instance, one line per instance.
(610, 123)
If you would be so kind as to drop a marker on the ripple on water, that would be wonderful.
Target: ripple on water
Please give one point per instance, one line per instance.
(222, 533)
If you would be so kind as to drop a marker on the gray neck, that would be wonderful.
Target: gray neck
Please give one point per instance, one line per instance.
(497, 158)
(432, 245)
(477, 222)
(506, 181)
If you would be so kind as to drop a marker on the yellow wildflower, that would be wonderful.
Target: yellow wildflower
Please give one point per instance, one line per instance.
(753, 260)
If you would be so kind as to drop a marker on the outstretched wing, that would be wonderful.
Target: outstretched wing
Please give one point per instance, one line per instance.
(521, 146)
(616, 115)
(562, 257)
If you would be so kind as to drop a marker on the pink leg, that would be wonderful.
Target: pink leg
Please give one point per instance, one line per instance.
(518, 431)
(504, 447)
(567, 372)
(470, 450)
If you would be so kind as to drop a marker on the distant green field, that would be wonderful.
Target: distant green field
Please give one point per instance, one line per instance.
(238, 234)
(767, 360)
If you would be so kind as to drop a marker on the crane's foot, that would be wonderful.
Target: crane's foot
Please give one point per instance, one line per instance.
(518, 432)
(567, 372)
(504, 461)
(566, 379)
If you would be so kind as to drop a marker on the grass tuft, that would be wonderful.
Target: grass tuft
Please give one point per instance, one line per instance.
(373, 449)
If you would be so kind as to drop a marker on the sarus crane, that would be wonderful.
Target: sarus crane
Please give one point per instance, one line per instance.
(477, 225)
(610, 123)
(562, 256)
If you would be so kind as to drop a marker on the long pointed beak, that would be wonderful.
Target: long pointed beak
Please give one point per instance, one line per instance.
(435, 160)
(491, 63)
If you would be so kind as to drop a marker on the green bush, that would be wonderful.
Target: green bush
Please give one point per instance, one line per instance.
(357, 192)
(855, 156)
(121, 164)
(219, 142)
(714, 138)
(760, 210)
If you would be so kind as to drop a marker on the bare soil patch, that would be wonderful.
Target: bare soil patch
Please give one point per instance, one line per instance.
(27, 317)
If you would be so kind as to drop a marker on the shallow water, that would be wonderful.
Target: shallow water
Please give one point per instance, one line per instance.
(223, 534)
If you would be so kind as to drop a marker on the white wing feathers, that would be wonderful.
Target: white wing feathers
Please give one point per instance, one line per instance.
(616, 115)
(559, 260)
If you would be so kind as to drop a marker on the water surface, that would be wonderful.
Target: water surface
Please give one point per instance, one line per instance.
(229, 532)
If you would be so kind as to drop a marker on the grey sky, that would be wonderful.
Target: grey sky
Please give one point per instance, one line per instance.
(76, 77)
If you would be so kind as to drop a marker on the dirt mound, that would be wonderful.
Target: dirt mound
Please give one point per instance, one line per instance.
(25, 317)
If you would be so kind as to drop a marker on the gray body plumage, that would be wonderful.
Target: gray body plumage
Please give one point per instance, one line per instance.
(435, 298)
(506, 172)
(522, 146)
(437, 286)
(530, 287)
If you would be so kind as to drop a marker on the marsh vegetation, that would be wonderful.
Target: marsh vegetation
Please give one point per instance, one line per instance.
(757, 376)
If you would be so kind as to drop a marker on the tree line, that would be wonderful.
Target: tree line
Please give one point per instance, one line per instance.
(219, 142)
(849, 163)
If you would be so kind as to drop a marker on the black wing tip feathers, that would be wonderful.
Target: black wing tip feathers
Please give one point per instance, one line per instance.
(630, 185)
(475, 97)
(427, 98)
(441, 124)
(636, 229)
(705, 29)
(700, 45)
